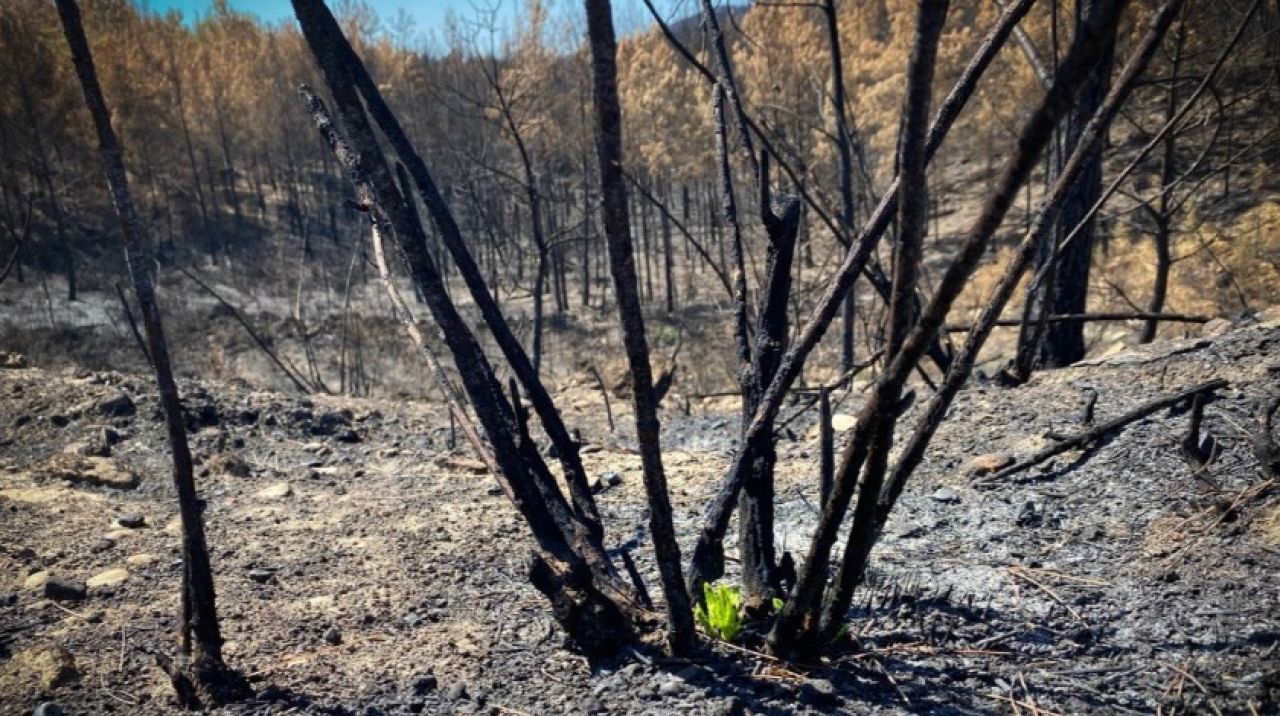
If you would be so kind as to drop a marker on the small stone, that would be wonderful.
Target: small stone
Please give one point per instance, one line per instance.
(278, 491)
(347, 435)
(987, 464)
(8, 600)
(64, 590)
(36, 581)
(1216, 327)
(261, 576)
(945, 494)
(90, 470)
(818, 692)
(88, 448)
(140, 560)
(108, 578)
(48, 708)
(840, 422)
(332, 636)
(493, 490)
(40, 669)
(671, 687)
(457, 691)
(229, 464)
(591, 705)
(110, 436)
(116, 406)
(101, 545)
(425, 684)
(131, 521)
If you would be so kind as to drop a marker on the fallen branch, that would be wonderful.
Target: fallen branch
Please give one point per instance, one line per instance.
(133, 326)
(290, 372)
(1111, 426)
(1092, 318)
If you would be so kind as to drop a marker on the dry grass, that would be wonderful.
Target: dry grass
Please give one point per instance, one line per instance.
(1218, 270)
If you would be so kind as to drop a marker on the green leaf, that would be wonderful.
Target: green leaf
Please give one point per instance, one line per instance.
(720, 617)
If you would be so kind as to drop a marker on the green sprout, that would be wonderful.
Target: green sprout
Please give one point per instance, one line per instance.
(719, 616)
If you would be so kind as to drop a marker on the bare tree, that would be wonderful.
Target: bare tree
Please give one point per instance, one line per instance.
(813, 612)
(199, 674)
(708, 554)
(608, 127)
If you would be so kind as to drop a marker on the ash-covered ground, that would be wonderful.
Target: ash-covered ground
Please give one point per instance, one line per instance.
(366, 564)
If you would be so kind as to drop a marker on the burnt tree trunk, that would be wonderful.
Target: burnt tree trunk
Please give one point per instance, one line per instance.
(806, 622)
(1064, 342)
(707, 562)
(608, 130)
(913, 225)
(845, 167)
(1162, 214)
(327, 31)
(570, 565)
(200, 676)
(755, 505)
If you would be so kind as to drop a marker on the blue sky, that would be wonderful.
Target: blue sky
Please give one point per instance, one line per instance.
(430, 15)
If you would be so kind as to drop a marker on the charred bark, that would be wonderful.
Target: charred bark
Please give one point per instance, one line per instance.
(326, 29)
(199, 674)
(799, 629)
(708, 555)
(608, 129)
(755, 506)
(567, 545)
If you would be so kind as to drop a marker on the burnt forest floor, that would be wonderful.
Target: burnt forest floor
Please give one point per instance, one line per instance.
(365, 564)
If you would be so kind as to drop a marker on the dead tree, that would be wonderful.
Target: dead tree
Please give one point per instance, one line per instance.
(845, 153)
(708, 556)
(1162, 214)
(935, 411)
(1022, 365)
(18, 236)
(199, 674)
(813, 613)
(1066, 285)
(569, 566)
(608, 128)
(755, 517)
(327, 31)
(913, 207)
(757, 360)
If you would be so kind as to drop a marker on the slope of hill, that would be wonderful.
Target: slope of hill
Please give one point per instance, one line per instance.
(365, 563)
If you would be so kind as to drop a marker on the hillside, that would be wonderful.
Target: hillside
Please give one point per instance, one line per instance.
(366, 565)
